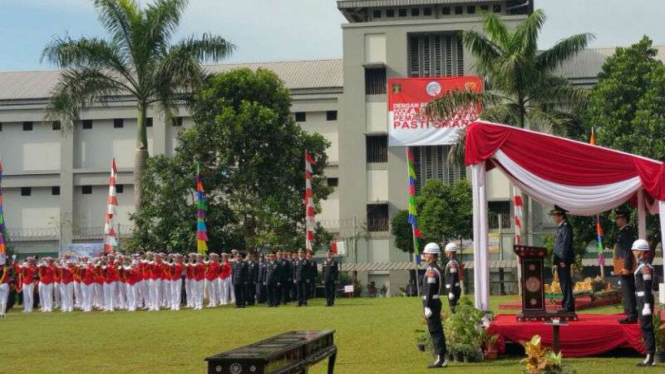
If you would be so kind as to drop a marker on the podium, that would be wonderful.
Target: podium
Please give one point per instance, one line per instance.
(532, 266)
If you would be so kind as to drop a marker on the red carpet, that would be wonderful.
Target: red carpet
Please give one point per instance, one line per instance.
(592, 335)
(581, 303)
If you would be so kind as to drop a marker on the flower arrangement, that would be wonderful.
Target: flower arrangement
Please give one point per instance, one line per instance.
(540, 360)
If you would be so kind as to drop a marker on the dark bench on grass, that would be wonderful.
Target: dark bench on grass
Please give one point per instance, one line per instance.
(291, 352)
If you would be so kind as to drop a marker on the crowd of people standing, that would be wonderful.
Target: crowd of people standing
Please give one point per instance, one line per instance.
(155, 281)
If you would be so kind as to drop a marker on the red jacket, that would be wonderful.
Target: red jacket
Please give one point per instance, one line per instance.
(199, 271)
(67, 275)
(176, 271)
(88, 274)
(189, 272)
(212, 270)
(46, 274)
(226, 270)
(27, 273)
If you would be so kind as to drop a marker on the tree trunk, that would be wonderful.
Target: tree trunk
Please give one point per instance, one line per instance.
(141, 157)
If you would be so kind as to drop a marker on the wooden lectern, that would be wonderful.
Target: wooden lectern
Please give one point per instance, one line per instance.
(532, 264)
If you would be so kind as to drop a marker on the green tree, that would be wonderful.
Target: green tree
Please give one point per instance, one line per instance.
(522, 88)
(402, 231)
(627, 105)
(137, 60)
(252, 157)
(445, 211)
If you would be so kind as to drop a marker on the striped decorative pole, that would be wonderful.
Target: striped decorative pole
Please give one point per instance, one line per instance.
(201, 230)
(518, 204)
(599, 228)
(310, 222)
(110, 236)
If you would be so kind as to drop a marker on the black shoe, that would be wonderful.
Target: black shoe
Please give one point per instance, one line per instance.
(439, 363)
(649, 361)
(628, 321)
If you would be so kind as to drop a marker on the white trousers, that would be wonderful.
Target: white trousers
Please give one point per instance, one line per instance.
(189, 293)
(120, 295)
(166, 293)
(67, 297)
(198, 294)
(78, 296)
(98, 296)
(56, 295)
(87, 291)
(176, 288)
(46, 297)
(109, 297)
(28, 297)
(213, 292)
(4, 297)
(132, 292)
(154, 288)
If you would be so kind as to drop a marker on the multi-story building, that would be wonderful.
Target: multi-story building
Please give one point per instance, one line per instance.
(55, 183)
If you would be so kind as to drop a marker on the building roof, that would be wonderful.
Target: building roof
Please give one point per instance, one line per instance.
(346, 4)
(297, 75)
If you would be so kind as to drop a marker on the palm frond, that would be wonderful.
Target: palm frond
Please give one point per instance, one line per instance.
(556, 92)
(484, 49)
(206, 48)
(162, 18)
(449, 104)
(497, 30)
(526, 34)
(563, 50)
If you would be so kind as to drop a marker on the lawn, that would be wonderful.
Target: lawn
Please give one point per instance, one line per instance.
(373, 336)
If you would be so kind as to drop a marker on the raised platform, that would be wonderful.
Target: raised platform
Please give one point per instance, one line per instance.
(581, 303)
(591, 335)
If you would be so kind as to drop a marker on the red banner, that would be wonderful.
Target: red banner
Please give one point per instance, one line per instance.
(408, 126)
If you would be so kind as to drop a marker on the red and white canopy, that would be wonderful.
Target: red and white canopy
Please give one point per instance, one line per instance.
(582, 178)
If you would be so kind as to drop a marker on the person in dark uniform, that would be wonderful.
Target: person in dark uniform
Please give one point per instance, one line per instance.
(301, 277)
(330, 270)
(622, 249)
(432, 287)
(645, 300)
(239, 279)
(273, 280)
(313, 272)
(564, 257)
(451, 276)
(252, 278)
(287, 280)
(260, 284)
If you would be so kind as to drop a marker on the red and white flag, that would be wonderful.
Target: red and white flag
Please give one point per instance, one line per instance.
(518, 204)
(110, 236)
(310, 222)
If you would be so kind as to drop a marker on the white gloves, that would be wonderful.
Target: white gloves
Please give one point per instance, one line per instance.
(647, 310)
(13, 257)
(428, 312)
(451, 296)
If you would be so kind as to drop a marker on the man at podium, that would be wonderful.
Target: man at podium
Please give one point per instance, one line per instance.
(564, 257)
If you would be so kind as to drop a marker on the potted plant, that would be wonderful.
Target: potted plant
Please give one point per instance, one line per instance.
(540, 360)
(424, 341)
(490, 351)
(383, 290)
(660, 337)
(464, 331)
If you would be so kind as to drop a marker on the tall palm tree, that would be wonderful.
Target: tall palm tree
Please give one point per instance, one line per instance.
(137, 60)
(522, 88)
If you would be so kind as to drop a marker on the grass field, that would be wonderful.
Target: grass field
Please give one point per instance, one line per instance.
(373, 336)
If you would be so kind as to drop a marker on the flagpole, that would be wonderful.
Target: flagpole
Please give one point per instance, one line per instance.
(413, 228)
(599, 232)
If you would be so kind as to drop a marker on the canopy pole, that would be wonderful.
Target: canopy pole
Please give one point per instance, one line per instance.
(641, 215)
(480, 237)
(661, 206)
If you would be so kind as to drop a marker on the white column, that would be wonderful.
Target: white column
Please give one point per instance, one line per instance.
(641, 215)
(480, 237)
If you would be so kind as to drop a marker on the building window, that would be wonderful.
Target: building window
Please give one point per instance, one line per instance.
(118, 123)
(333, 182)
(148, 122)
(86, 190)
(119, 188)
(26, 191)
(459, 10)
(0, 126)
(87, 124)
(499, 214)
(377, 148)
(390, 13)
(435, 55)
(331, 115)
(432, 162)
(176, 122)
(55, 190)
(484, 8)
(402, 12)
(377, 217)
(375, 81)
(471, 9)
(427, 11)
(415, 12)
(301, 116)
(376, 14)
(496, 8)
(55, 125)
(27, 126)
(445, 10)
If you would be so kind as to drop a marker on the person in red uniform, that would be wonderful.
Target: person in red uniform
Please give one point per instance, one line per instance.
(27, 272)
(199, 275)
(67, 287)
(4, 284)
(78, 296)
(225, 281)
(88, 274)
(211, 280)
(189, 279)
(165, 291)
(46, 273)
(98, 295)
(110, 279)
(176, 281)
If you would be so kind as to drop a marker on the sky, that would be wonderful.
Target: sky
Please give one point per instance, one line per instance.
(278, 30)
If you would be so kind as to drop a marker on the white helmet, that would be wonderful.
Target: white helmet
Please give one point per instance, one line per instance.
(451, 247)
(432, 248)
(641, 245)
